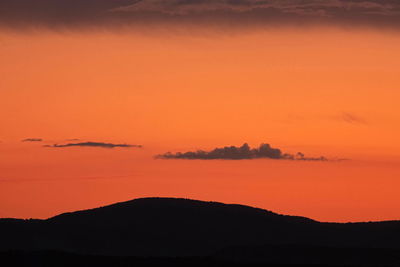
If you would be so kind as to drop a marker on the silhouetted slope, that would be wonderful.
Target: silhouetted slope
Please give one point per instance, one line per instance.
(181, 227)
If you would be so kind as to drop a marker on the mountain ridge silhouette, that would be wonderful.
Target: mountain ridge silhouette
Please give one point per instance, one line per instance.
(177, 227)
(170, 201)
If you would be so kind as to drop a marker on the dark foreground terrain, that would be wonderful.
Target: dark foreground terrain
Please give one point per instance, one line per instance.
(181, 232)
(283, 256)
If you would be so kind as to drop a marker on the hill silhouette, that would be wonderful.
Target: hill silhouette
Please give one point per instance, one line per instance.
(169, 227)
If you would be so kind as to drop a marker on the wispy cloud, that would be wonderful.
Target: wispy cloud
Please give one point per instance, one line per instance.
(93, 144)
(239, 153)
(352, 118)
(32, 140)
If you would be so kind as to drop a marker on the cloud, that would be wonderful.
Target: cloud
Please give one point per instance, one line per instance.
(32, 140)
(238, 153)
(93, 144)
(238, 13)
(351, 118)
(309, 7)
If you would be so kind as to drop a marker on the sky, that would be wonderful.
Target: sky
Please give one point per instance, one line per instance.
(92, 91)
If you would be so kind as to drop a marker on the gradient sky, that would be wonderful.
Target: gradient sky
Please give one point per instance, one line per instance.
(326, 89)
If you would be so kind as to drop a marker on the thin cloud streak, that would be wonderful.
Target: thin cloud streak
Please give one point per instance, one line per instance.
(32, 140)
(94, 144)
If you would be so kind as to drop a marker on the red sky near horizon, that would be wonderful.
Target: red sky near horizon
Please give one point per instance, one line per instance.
(321, 91)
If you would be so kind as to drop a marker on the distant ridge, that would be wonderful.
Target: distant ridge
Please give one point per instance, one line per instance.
(182, 203)
(176, 227)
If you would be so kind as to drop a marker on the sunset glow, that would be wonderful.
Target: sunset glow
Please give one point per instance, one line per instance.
(324, 90)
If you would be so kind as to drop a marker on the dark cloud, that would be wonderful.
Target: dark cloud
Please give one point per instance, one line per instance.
(32, 140)
(56, 13)
(236, 153)
(93, 144)
(240, 13)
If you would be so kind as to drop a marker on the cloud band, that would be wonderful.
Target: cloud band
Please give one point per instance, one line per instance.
(238, 153)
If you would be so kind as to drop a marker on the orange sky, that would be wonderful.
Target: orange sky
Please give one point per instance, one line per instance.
(320, 91)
